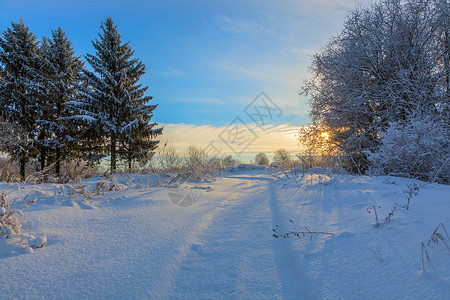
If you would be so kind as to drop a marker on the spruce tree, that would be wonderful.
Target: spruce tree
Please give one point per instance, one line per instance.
(113, 104)
(62, 82)
(2, 77)
(21, 88)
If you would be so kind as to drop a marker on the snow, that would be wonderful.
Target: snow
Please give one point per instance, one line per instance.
(135, 242)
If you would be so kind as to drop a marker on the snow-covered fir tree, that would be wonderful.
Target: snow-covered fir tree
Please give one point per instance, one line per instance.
(2, 76)
(21, 90)
(62, 84)
(113, 105)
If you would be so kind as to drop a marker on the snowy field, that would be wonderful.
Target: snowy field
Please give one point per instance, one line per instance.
(214, 239)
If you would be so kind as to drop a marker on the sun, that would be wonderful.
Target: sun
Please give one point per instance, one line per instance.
(325, 136)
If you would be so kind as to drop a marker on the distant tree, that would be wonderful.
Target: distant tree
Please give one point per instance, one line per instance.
(282, 157)
(21, 89)
(62, 82)
(230, 161)
(113, 106)
(169, 158)
(261, 159)
(196, 157)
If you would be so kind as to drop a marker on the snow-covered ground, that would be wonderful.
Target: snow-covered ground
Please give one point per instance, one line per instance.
(214, 240)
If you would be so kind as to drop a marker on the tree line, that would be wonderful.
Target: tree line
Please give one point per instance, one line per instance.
(380, 90)
(54, 109)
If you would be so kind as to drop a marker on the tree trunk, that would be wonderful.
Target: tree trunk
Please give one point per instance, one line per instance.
(42, 159)
(129, 163)
(22, 167)
(58, 150)
(58, 162)
(113, 153)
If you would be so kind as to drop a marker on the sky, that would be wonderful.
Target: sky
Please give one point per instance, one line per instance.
(222, 72)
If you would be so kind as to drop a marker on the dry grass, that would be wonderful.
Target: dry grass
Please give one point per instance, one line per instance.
(435, 238)
(300, 233)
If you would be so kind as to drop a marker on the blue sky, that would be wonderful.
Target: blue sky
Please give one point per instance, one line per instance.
(206, 60)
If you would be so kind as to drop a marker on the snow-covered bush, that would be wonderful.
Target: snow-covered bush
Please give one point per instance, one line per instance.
(418, 149)
(261, 159)
(229, 161)
(106, 184)
(75, 170)
(250, 167)
(214, 163)
(12, 218)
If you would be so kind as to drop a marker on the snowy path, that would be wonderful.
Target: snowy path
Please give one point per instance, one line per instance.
(227, 250)
(137, 244)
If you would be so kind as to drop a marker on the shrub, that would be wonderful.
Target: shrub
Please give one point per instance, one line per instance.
(229, 161)
(12, 218)
(261, 159)
(196, 158)
(419, 149)
(75, 170)
(169, 158)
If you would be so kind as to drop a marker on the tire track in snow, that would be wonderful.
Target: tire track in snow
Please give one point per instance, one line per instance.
(236, 244)
(174, 262)
(173, 269)
(295, 284)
